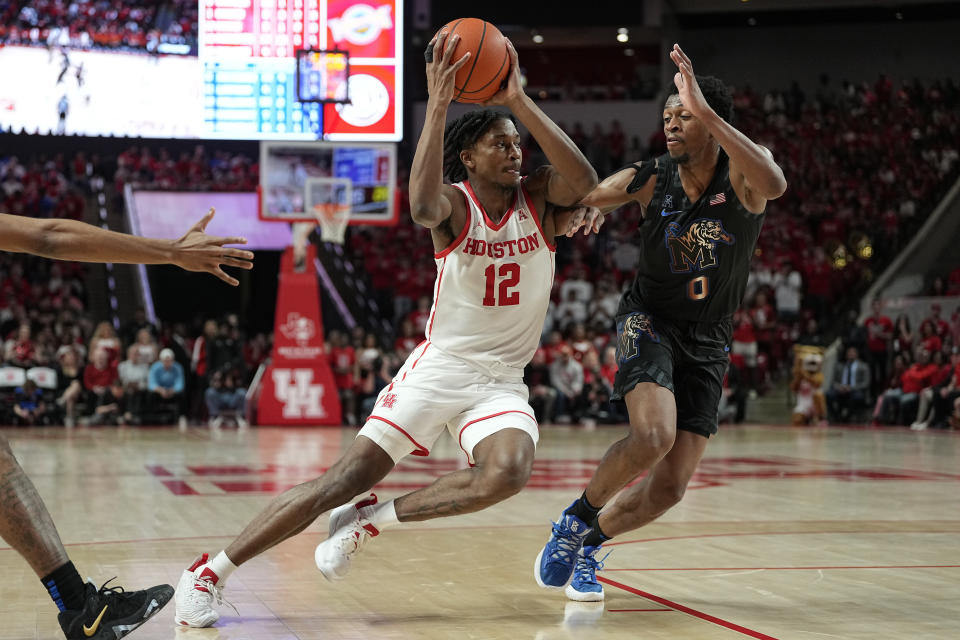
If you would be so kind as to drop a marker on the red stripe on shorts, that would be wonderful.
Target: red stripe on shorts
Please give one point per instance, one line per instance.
(460, 435)
(420, 451)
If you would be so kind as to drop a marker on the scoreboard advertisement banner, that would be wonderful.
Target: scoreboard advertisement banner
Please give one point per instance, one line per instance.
(247, 53)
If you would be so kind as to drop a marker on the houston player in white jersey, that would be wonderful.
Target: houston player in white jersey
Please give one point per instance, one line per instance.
(492, 232)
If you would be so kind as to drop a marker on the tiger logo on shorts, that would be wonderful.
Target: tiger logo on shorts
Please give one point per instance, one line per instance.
(631, 330)
(695, 248)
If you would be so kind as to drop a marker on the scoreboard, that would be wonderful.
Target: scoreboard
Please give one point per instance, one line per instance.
(248, 59)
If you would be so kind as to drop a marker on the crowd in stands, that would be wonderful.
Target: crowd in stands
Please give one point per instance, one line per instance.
(198, 170)
(57, 369)
(43, 188)
(167, 27)
(902, 375)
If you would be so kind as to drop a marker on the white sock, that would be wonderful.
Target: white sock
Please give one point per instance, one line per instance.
(222, 566)
(382, 516)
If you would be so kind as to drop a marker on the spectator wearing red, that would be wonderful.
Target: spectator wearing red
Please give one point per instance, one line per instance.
(555, 343)
(20, 350)
(944, 369)
(199, 360)
(580, 342)
(879, 334)
(953, 283)
(764, 322)
(105, 337)
(343, 361)
(408, 339)
(940, 326)
(745, 345)
(929, 339)
(99, 374)
(899, 403)
(421, 315)
(608, 368)
(920, 374)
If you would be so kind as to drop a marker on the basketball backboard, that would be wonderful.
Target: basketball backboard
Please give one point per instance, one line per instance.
(365, 173)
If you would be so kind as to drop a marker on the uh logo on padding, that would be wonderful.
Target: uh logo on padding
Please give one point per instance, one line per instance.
(298, 385)
(301, 398)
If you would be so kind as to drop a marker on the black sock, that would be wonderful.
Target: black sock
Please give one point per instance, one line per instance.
(583, 509)
(596, 537)
(65, 587)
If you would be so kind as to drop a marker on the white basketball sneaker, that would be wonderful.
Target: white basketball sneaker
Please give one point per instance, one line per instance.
(196, 593)
(348, 532)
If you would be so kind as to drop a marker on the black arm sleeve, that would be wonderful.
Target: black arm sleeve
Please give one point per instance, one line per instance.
(644, 171)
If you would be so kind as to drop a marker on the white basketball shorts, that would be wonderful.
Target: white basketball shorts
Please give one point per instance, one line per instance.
(434, 391)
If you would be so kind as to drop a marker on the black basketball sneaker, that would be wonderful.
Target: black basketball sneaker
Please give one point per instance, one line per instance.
(111, 613)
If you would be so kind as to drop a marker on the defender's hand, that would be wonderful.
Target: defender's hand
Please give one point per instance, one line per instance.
(589, 218)
(197, 251)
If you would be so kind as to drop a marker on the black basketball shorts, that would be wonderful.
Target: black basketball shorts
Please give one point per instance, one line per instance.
(688, 358)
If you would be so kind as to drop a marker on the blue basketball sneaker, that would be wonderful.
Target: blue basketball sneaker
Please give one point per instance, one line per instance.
(584, 586)
(554, 566)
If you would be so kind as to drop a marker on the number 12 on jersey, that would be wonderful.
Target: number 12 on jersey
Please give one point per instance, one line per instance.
(509, 272)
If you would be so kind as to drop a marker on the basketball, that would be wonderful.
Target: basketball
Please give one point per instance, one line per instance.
(489, 64)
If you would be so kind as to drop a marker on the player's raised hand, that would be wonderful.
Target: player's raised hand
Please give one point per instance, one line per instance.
(197, 251)
(441, 68)
(687, 87)
(587, 218)
(513, 87)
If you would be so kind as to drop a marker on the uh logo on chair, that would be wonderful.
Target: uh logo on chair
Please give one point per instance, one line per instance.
(298, 385)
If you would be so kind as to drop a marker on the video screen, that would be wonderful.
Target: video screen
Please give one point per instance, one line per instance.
(237, 80)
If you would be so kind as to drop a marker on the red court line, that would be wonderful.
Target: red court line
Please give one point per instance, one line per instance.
(878, 566)
(631, 610)
(683, 609)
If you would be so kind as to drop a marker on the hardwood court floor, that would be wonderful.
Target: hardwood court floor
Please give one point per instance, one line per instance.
(785, 533)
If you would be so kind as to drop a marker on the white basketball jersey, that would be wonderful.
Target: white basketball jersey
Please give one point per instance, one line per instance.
(493, 287)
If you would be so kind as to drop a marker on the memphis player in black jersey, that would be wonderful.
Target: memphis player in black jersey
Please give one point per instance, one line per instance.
(703, 206)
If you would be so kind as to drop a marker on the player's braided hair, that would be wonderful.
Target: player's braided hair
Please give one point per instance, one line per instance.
(462, 134)
(717, 95)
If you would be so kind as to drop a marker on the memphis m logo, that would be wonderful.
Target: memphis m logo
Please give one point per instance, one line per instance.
(631, 329)
(695, 248)
(300, 398)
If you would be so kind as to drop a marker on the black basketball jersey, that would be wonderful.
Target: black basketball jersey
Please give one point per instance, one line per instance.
(694, 256)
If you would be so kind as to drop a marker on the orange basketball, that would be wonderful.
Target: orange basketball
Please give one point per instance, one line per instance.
(489, 64)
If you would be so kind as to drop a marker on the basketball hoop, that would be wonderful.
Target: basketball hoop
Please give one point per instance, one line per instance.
(333, 219)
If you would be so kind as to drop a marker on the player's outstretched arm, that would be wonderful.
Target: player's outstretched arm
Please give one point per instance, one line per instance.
(569, 176)
(429, 203)
(634, 183)
(73, 240)
(754, 174)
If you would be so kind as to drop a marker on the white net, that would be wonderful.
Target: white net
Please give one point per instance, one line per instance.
(328, 199)
(333, 219)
